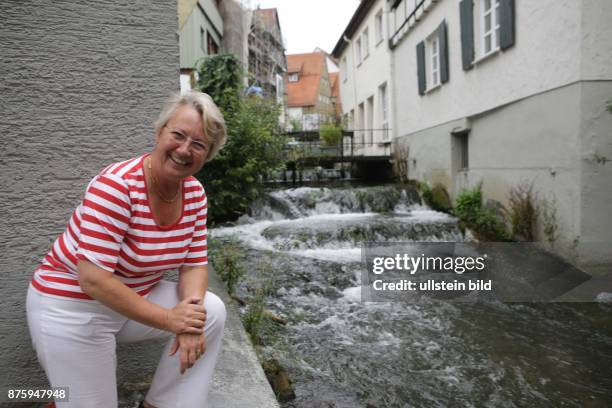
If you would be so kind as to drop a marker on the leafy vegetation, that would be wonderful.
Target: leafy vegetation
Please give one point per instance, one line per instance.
(550, 222)
(254, 144)
(226, 260)
(523, 211)
(469, 208)
(330, 134)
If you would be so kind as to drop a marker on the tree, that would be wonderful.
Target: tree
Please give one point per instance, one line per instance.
(254, 143)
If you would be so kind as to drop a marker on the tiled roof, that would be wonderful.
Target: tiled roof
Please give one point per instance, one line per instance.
(310, 68)
(268, 17)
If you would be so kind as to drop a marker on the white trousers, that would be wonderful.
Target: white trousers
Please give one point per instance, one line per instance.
(75, 342)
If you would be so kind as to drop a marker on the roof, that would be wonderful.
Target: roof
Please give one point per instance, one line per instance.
(269, 18)
(310, 67)
(360, 14)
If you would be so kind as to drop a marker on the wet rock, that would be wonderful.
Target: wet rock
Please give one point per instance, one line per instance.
(279, 380)
(440, 199)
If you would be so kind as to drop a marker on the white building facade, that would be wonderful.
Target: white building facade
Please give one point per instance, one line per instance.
(507, 92)
(365, 79)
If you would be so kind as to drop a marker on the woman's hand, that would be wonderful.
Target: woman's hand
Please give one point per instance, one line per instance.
(191, 347)
(188, 316)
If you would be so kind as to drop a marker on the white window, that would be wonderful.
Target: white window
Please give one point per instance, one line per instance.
(433, 59)
(294, 77)
(379, 26)
(384, 112)
(366, 43)
(489, 22)
(358, 50)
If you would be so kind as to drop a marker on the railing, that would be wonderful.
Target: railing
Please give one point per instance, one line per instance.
(399, 31)
(354, 143)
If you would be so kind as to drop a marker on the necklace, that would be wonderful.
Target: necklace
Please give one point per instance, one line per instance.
(157, 188)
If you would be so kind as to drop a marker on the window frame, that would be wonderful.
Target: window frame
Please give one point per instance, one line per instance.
(365, 37)
(293, 77)
(384, 111)
(494, 31)
(432, 60)
(203, 43)
(378, 27)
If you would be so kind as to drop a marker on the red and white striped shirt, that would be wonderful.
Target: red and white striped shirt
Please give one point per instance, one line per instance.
(113, 228)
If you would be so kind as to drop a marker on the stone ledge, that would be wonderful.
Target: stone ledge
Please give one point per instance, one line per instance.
(239, 380)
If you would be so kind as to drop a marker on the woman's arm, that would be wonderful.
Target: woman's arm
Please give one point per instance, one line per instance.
(186, 317)
(193, 282)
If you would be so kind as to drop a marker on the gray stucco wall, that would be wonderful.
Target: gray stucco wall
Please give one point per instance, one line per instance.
(81, 83)
(595, 236)
(560, 140)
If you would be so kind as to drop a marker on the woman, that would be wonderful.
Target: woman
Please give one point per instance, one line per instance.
(101, 282)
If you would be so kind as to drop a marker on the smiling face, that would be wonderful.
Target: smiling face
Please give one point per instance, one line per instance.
(181, 145)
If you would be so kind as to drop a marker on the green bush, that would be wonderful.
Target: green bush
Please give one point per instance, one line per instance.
(330, 134)
(254, 144)
(468, 207)
(226, 259)
(426, 192)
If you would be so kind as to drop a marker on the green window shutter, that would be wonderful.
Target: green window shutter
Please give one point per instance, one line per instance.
(506, 24)
(466, 14)
(443, 41)
(421, 66)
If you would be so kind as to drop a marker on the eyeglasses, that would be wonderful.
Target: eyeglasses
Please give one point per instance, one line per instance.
(195, 145)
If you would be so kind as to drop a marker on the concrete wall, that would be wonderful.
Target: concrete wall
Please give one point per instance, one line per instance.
(507, 146)
(594, 239)
(81, 84)
(361, 80)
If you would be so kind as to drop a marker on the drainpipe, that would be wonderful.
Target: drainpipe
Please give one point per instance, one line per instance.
(355, 113)
(392, 90)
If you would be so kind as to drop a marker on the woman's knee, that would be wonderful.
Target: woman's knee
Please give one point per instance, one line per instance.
(215, 309)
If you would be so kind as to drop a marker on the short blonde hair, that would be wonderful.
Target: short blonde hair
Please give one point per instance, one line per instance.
(212, 118)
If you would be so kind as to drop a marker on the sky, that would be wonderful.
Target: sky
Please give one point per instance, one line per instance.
(307, 24)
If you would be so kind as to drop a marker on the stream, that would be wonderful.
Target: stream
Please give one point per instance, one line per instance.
(304, 246)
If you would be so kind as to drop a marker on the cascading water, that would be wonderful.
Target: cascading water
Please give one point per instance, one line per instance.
(305, 244)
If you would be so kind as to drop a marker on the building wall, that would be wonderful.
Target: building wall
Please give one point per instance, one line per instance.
(545, 56)
(360, 81)
(81, 84)
(594, 238)
(210, 21)
(536, 113)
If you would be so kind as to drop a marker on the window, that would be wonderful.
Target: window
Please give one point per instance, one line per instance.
(433, 47)
(370, 120)
(432, 60)
(211, 45)
(294, 77)
(358, 50)
(460, 141)
(384, 112)
(202, 39)
(366, 43)
(379, 26)
(490, 26)
(486, 27)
